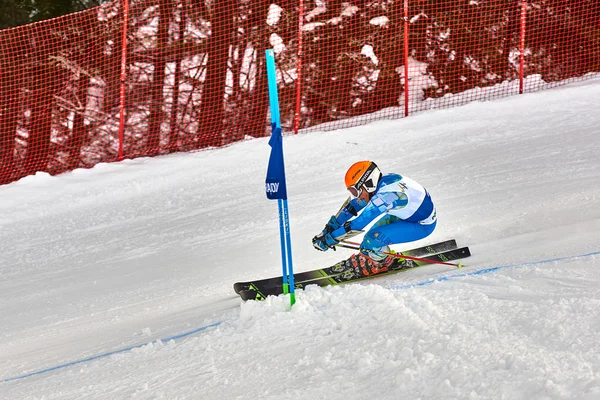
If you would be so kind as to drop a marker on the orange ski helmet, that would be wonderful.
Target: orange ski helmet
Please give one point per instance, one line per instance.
(362, 175)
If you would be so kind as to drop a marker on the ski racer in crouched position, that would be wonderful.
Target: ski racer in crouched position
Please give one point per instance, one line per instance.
(401, 207)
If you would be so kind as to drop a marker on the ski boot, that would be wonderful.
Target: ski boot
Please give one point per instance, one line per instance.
(365, 266)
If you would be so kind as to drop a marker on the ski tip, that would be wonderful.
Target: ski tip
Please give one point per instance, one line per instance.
(464, 252)
(459, 265)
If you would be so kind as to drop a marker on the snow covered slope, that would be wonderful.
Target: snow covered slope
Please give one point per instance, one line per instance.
(115, 282)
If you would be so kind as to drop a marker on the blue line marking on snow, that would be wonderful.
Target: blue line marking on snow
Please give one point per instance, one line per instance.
(490, 270)
(110, 353)
(412, 285)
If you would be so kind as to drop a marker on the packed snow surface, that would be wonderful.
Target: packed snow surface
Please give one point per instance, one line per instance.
(116, 281)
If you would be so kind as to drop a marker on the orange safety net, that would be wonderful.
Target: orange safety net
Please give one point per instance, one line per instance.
(136, 78)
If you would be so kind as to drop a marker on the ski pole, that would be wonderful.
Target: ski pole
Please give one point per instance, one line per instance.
(350, 242)
(348, 246)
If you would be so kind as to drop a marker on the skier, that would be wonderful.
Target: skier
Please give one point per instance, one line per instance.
(403, 211)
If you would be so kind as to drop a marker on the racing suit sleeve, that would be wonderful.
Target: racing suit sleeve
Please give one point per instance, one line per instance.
(349, 211)
(368, 214)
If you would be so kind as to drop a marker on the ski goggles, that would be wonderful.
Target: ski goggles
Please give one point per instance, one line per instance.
(369, 186)
(364, 183)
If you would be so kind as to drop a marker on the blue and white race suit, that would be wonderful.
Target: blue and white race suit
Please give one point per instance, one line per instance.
(403, 209)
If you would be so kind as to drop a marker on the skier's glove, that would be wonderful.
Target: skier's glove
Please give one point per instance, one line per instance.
(324, 242)
(332, 225)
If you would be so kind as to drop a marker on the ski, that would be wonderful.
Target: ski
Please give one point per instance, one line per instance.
(301, 276)
(335, 275)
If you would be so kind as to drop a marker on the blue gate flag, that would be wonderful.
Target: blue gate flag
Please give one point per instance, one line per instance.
(275, 184)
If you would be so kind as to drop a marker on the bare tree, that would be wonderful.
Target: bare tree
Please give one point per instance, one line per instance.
(213, 91)
(158, 80)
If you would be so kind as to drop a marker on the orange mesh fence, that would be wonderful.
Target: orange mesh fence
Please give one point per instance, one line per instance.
(137, 78)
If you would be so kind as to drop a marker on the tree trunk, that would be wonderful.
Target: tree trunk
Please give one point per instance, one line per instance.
(43, 81)
(79, 131)
(260, 95)
(212, 109)
(172, 142)
(158, 81)
(10, 106)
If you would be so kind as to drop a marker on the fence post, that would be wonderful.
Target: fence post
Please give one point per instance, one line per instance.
(299, 69)
(123, 79)
(406, 91)
(522, 45)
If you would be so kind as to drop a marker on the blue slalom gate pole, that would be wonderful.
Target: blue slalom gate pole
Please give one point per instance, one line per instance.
(275, 182)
